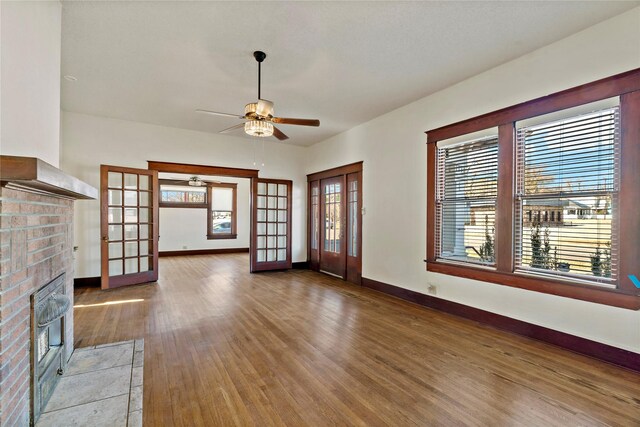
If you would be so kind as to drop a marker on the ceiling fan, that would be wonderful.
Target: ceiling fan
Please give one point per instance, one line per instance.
(259, 117)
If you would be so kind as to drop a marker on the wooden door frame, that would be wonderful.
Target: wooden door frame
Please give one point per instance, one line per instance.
(356, 167)
(122, 280)
(252, 174)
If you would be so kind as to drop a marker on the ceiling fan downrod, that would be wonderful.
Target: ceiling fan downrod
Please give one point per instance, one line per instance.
(260, 56)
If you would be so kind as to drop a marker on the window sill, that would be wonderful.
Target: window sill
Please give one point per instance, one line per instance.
(591, 293)
(221, 236)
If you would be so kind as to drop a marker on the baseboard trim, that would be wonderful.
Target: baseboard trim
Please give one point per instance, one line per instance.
(86, 282)
(188, 252)
(302, 265)
(604, 352)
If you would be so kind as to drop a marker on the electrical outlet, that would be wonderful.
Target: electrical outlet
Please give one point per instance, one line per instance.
(432, 289)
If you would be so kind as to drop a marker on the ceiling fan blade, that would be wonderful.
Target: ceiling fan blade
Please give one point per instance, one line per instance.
(278, 134)
(215, 113)
(301, 122)
(232, 128)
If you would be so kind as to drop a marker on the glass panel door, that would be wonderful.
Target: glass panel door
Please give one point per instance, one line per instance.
(129, 226)
(271, 248)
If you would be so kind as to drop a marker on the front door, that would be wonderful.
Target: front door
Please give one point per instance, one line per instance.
(129, 226)
(332, 226)
(271, 224)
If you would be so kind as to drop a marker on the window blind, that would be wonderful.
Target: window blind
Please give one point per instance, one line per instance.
(466, 194)
(567, 175)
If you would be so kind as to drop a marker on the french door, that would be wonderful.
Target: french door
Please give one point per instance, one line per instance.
(129, 226)
(332, 226)
(335, 222)
(271, 224)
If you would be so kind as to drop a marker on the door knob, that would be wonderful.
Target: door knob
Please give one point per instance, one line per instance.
(105, 238)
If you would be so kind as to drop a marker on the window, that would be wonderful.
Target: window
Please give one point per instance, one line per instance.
(466, 201)
(571, 162)
(175, 195)
(554, 197)
(222, 201)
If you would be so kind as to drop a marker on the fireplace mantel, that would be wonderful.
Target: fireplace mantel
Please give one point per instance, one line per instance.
(35, 175)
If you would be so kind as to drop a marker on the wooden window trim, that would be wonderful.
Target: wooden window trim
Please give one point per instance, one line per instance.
(234, 212)
(625, 294)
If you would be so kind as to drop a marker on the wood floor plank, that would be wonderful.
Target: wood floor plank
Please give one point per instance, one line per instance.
(224, 347)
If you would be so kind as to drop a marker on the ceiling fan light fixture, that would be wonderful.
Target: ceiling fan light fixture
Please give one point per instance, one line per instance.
(250, 109)
(195, 181)
(258, 128)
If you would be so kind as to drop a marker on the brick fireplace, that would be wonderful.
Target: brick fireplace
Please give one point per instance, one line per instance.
(36, 246)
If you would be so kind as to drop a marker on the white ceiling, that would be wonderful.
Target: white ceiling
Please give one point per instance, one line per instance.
(341, 62)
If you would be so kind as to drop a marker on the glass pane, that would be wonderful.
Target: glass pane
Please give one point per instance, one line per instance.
(468, 231)
(262, 242)
(115, 197)
(282, 254)
(262, 202)
(115, 215)
(130, 232)
(115, 232)
(221, 222)
(271, 254)
(271, 203)
(115, 250)
(273, 189)
(131, 215)
(262, 215)
(130, 198)
(144, 247)
(144, 182)
(568, 235)
(271, 228)
(262, 188)
(115, 180)
(282, 216)
(130, 265)
(271, 215)
(262, 255)
(144, 214)
(144, 264)
(144, 231)
(262, 228)
(131, 249)
(282, 229)
(282, 189)
(282, 241)
(130, 181)
(271, 242)
(115, 267)
(144, 198)
(282, 203)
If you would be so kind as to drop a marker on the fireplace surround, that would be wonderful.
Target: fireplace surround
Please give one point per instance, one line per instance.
(36, 248)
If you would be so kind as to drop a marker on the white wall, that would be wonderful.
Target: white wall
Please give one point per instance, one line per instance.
(186, 228)
(30, 37)
(394, 153)
(88, 141)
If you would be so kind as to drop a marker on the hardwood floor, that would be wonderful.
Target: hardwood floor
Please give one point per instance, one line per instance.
(224, 347)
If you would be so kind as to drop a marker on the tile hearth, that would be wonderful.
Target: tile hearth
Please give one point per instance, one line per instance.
(102, 386)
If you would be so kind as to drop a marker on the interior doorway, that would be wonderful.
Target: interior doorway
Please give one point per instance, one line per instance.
(335, 222)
